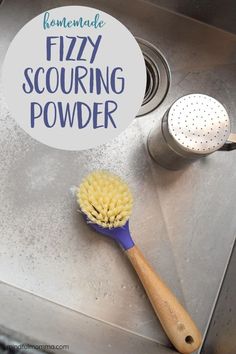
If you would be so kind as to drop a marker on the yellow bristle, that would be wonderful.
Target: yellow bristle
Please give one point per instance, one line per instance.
(105, 199)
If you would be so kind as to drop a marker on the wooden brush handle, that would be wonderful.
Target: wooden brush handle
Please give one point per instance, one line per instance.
(175, 320)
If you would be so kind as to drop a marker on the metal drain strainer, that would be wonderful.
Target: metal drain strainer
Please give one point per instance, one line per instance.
(199, 123)
(158, 77)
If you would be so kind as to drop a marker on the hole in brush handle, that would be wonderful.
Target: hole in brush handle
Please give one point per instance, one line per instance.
(189, 339)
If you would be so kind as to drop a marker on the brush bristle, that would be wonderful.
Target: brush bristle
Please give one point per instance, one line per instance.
(105, 199)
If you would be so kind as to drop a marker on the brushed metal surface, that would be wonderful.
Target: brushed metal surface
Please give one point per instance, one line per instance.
(216, 13)
(220, 337)
(32, 320)
(183, 221)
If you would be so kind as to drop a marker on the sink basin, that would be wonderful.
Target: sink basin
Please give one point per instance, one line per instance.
(63, 283)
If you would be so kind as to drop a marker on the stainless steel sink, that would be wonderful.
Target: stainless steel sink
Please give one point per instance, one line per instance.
(63, 283)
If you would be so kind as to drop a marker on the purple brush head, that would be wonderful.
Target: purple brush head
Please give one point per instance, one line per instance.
(106, 202)
(119, 234)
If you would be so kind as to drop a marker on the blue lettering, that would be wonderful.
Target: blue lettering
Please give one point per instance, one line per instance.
(33, 114)
(31, 87)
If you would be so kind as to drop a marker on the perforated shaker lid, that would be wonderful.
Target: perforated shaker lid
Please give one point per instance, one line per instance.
(199, 123)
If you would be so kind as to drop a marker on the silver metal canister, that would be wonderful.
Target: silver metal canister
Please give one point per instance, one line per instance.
(195, 126)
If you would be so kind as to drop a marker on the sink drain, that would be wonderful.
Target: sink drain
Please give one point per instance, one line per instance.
(158, 77)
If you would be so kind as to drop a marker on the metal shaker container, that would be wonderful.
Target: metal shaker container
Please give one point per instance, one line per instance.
(195, 126)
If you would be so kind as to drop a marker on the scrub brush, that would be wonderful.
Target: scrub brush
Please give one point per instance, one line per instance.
(106, 203)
